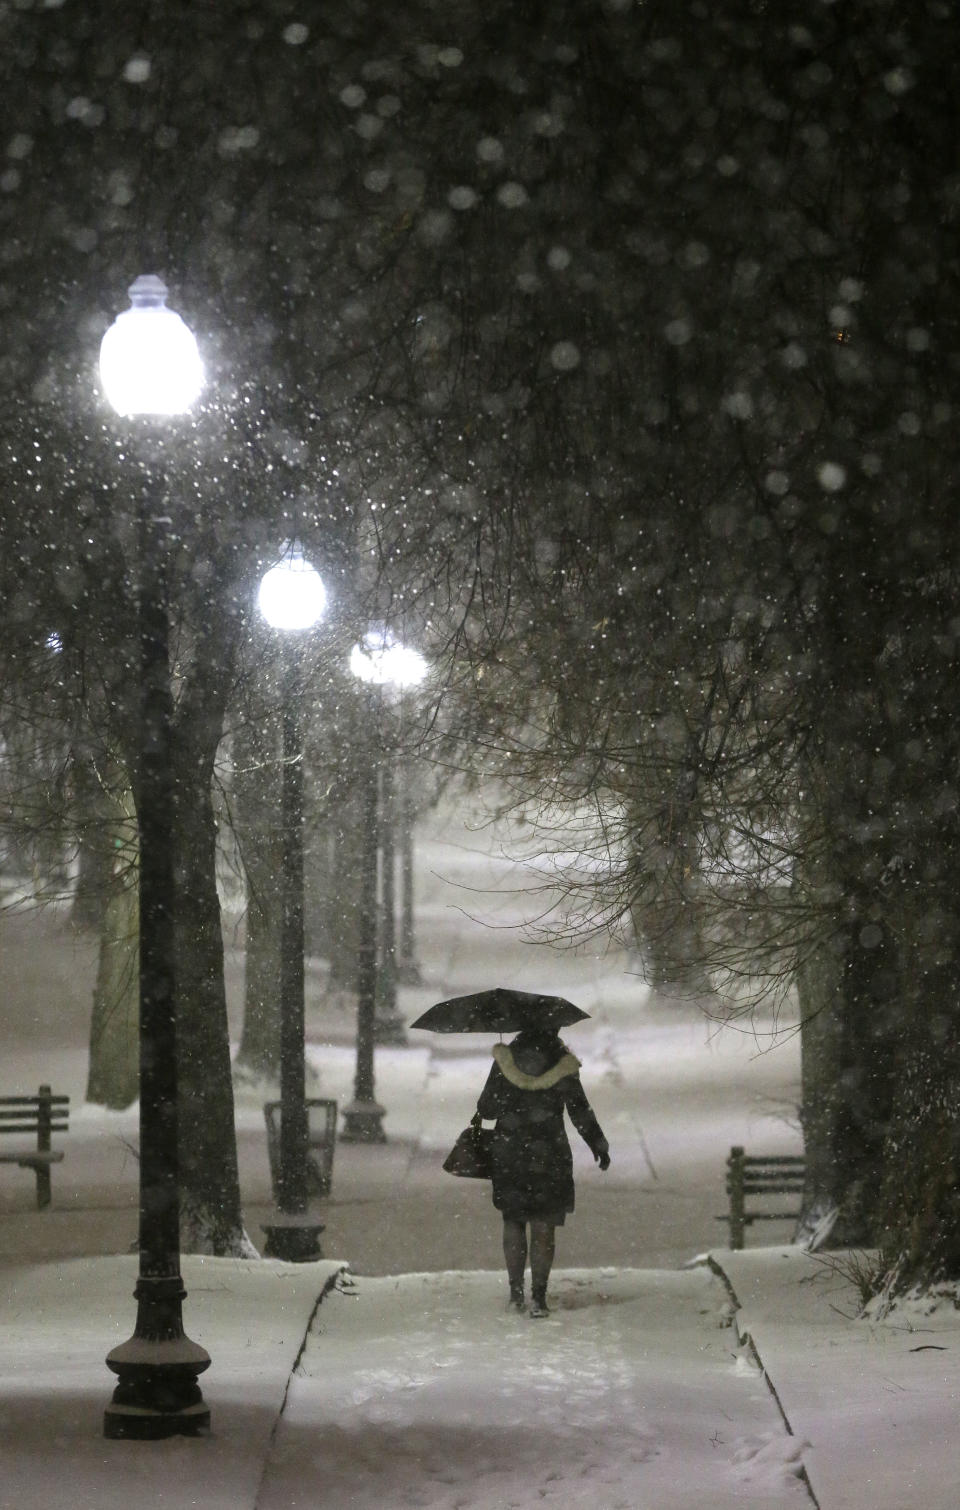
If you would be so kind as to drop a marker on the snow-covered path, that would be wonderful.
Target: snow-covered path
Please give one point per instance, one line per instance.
(423, 1390)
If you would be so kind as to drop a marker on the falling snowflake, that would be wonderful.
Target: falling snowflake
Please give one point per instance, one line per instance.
(695, 254)
(831, 476)
(435, 226)
(899, 80)
(238, 139)
(512, 195)
(489, 150)
(678, 332)
(137, 69)
(296, 33)
(739, 404)
(368, 126)
(547, 123)
(564, 356)
(462, 197)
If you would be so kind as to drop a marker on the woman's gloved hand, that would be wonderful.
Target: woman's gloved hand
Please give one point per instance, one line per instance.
(602, 1155)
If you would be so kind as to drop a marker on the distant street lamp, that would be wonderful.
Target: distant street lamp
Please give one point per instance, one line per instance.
(380, 663)
(399, 668)
(292, 599)
(150, 369)
(408, 970)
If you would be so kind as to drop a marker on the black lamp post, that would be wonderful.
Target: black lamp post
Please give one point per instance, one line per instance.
(381, 664)
(292, 600)
(150, 368)
(363, 1116)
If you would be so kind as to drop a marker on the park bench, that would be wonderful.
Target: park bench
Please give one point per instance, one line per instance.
(754, 1178)
(39, 1116)
(321, 1141)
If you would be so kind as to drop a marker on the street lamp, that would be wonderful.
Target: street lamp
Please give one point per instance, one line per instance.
(150, 369)
(292, 599)
(380, 662)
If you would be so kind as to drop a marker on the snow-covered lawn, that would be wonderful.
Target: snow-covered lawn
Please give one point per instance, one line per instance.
(636, 1393)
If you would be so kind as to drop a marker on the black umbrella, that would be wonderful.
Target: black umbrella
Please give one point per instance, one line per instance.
(499, 1011)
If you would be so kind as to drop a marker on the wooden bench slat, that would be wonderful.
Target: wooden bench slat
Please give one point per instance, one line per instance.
(763, 1180)
(33, 1101)
(16, 1120)
(29, 1118)
(31, 1156)
(771, 1216)
(775, 1161)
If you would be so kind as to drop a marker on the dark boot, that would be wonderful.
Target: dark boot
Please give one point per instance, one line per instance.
(538, 1304)
(516, 1297)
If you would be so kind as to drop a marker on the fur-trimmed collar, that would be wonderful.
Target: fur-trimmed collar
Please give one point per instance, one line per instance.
(568, 1065)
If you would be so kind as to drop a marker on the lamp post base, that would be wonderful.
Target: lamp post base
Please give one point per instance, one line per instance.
(157, 1394)
(128, 1423)
(294, 1238)
(363, 1123)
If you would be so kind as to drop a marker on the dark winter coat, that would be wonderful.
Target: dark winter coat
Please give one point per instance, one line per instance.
(526, 1092)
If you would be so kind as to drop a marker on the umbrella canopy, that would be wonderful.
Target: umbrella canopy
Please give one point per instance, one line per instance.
(499, 1010)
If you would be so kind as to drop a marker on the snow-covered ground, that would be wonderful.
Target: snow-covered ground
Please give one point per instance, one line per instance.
(414, 1385)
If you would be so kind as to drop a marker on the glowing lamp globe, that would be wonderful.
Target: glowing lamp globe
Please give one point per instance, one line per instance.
(382, 661)
(149, 362)
(292, 594)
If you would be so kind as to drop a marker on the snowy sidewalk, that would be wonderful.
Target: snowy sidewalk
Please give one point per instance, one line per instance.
(423, 1390)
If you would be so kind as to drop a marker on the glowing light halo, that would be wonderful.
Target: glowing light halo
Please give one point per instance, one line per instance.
(382, 661)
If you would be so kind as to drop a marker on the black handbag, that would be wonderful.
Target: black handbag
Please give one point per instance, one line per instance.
(470, 1155)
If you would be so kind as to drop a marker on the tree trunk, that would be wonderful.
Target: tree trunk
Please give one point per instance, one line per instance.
(96, 831)
(113, 1075)
(209, 1181)
(344, 916)
(257, 808)
(663, 909)
(211, 1219)
(846, 1057)
(920, 1197)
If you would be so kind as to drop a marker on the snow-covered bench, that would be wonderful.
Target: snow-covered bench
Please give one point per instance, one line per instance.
(35, 1116)
(759, 1176)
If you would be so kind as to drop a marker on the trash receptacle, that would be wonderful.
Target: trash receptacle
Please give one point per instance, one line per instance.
(321, 1140)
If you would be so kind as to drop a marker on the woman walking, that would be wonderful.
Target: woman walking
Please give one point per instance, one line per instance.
(533, 1079)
